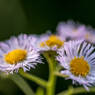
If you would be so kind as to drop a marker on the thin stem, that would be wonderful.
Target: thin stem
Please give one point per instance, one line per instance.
(39, 91)
(34, 78)
(21, 83)
(50, 90)
(58, 68)
(78, 90)
(60, 75)
(70, 90)
(82, 90)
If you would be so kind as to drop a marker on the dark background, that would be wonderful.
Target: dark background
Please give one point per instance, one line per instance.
(35, 17)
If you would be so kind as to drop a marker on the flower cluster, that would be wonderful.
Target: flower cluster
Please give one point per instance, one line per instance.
(73, 43)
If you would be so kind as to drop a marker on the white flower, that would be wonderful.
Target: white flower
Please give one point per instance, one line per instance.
(71, 30)
(50, 41)
(90, 36)
(18, 52)
(78, 61)
(76, 31)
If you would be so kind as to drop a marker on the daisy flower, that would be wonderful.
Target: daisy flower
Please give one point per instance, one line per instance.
(50, 41)
(71, 30)
(18, 52)
(90, 36)
(78, 61)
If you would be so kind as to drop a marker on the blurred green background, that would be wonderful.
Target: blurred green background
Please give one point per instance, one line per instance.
(35, 17)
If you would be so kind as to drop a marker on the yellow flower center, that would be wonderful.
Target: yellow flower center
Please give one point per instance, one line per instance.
(79, 66)
(15, 56)
(52, 41)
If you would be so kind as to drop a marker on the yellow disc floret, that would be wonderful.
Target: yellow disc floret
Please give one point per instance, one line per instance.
(15, 56)
(52, 41)
(79, 66)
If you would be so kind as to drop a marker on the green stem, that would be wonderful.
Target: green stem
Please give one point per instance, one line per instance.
(70, 90)
(50, 90)
(58, 68)
(39, 91)
(60, 75)
(78, 90)
(21, 83)
(34, 78)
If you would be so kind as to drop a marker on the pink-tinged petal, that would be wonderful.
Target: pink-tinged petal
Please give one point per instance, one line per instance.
(23, 42)
(74, 50)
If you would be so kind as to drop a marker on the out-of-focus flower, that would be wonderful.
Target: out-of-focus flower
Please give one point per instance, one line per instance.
(50, 41)
(71, 30)
(90, 36)
(78, 61)
(18, 52)
(76, 31)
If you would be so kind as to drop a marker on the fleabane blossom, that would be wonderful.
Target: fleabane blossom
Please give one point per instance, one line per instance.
(90, 36)
(78, 61)
(18, 52)
(50, 41)
(71, 30)
(76, 31)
